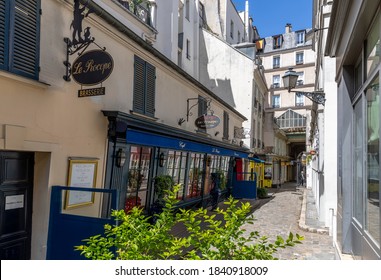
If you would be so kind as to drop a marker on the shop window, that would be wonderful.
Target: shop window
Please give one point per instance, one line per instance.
(372, 211)
(196, 169)
(358, 160)
(219, 165)
(373, 47)
(144, 87)
(176, 168)
(19, 37)
(138, 174)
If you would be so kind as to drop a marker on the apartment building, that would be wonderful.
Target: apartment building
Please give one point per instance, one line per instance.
(286, 111)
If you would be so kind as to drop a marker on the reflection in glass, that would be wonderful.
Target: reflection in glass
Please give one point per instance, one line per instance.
(373, 160)
(176, 167)
(139, 169)
(373, 46)
(358, 162)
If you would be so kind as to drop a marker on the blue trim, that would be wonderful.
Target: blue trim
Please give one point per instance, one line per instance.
(257, 160)
(149, 139)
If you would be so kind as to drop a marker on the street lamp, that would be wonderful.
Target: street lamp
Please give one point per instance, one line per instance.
(290, 79)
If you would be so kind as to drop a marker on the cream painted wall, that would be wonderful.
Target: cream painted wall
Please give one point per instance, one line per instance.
(48, 118)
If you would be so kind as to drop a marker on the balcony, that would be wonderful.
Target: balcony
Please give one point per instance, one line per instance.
(142, 12)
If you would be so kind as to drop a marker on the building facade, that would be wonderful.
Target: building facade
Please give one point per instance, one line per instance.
(88, 101)
(353, 40)
(292, 113)
(322, 165)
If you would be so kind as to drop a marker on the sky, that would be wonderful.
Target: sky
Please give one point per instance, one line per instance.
(271, 16)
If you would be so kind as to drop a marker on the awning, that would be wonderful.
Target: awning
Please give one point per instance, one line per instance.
(149, 139)
(257, 160)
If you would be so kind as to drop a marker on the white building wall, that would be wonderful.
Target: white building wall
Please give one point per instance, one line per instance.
(229, 74)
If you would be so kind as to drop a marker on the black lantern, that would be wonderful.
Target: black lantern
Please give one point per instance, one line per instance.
(120, 158)
(290, 80)
(161, 159)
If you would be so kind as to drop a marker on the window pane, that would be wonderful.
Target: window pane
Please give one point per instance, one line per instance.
(195, 175)
(139, 169)
(373, 47)
(373, 162)
(358, 163)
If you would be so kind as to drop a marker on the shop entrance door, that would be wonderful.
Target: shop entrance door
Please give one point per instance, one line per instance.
(16, 187)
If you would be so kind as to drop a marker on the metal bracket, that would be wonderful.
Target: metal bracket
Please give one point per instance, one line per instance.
(189, 113)
(315, 96)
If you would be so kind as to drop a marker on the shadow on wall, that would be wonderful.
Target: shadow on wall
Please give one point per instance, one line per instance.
(221, 87)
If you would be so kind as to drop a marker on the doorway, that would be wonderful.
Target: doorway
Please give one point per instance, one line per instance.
(16, 190)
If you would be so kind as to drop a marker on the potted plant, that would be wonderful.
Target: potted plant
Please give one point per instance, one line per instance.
(163, 184)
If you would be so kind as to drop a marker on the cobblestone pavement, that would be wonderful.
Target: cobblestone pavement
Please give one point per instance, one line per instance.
(291, 209)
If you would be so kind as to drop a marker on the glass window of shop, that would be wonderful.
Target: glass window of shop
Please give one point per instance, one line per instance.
(138, 175)
(366, 144)
(216, 164)
(176, 168)
(372, 53)
(195, 172)
(358, 145)
(372, 210)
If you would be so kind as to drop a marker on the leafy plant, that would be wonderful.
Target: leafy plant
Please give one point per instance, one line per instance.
(134, 237)
(162, 184)
(262, 192)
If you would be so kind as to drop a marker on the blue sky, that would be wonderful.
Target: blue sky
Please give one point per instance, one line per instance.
(270, 16)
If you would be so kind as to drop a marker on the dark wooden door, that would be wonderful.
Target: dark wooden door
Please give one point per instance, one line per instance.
(16, 188)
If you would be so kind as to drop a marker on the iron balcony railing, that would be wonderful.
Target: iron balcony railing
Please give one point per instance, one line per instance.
(141, 12)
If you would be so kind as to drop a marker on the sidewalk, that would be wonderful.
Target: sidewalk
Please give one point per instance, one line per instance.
(292, 209)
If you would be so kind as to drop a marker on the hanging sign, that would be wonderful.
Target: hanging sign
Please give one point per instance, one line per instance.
(92, 67)
(207, 121)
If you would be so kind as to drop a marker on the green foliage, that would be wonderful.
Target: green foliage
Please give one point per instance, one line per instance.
(262, 192)
(209, 238)
(163, 184)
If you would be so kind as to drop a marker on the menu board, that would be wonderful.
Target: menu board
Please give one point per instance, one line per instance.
(82, 174)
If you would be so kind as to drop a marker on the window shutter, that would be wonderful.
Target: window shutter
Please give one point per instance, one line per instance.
(226, 126)
(150, 90)
(3, 33)
(139, 83)
(25, 41)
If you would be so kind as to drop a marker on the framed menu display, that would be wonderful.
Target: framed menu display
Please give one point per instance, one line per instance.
(82, 174)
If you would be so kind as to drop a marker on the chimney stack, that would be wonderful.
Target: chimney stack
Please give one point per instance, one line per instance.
(288, 28)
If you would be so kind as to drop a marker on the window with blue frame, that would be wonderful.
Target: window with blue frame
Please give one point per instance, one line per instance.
(19, 37)
(144, 87)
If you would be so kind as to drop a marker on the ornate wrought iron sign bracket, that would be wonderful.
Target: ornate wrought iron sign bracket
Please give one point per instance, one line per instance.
(79, 42)
(316, 96)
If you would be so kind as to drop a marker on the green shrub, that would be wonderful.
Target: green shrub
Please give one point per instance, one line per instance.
(262, 192)
(134, 237)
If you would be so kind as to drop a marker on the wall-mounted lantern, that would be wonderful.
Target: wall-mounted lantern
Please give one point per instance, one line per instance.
(161, 159)
(120, 158)
(290, 79)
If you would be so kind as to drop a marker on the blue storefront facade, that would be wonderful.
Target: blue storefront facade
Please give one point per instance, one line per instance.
(150, 149)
